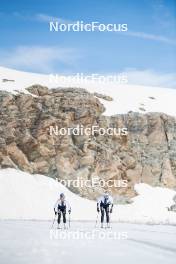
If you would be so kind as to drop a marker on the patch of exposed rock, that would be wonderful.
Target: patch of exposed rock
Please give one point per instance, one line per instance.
(103, 96)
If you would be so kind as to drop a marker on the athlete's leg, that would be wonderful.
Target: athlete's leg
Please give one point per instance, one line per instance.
(107, 214)
(102, 214)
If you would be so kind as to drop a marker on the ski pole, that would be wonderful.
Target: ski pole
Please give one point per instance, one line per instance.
(53, 221)
(96, 221)
(110, 222)
(69, 220)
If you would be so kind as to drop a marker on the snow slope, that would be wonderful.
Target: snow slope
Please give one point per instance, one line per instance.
(25, 196)
(126, 97)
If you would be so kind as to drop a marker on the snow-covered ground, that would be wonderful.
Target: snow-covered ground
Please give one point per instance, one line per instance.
(31, 242)
(125, 97)
(26, 196)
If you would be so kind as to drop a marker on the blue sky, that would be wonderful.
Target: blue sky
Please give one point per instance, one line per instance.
(147, 49)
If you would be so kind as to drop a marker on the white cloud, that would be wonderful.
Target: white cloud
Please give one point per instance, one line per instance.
(47, 18)
(151, 37)
(37, 58)
(41, 17)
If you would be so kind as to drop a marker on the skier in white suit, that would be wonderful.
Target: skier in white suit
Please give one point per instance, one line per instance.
(61, 207)
(105, 206)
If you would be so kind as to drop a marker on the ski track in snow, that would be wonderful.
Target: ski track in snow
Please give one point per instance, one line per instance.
(29, 242)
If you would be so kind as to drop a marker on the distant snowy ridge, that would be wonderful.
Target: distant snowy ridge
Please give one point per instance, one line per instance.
(125, 97)
(26, 196)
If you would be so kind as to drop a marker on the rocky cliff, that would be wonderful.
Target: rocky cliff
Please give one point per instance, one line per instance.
(146, 154)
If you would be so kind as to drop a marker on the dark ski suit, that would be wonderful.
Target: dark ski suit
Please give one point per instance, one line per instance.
(105, 205)
(61, 207)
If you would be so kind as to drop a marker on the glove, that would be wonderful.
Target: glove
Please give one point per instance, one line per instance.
(111, 211)
(69, 211)
(98, 210)
(55, 212)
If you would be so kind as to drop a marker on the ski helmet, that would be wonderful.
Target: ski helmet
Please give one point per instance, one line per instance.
(62, 195)
(106, 195)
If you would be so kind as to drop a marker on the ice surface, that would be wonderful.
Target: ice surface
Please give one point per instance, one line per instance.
(30, 242)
